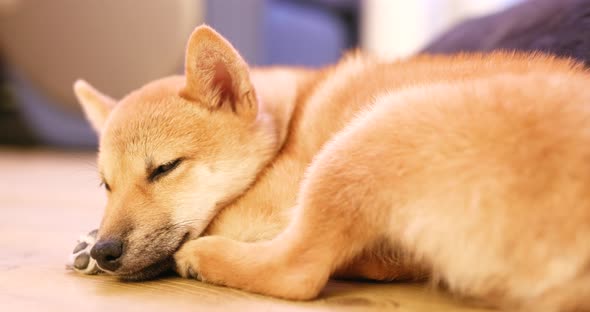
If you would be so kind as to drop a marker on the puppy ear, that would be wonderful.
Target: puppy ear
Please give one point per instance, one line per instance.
(96, 106)
(216, 74)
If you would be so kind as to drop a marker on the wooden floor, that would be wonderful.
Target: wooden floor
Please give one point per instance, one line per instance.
(48, 198)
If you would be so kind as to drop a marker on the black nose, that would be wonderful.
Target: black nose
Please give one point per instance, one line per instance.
(108, 254)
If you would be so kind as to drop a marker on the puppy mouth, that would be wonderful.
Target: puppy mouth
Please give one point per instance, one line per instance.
(165, 264)
(150, 272)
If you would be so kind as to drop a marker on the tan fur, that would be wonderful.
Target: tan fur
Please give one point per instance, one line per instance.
(472, 169)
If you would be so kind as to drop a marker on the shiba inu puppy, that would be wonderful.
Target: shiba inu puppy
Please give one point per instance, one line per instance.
(472, 171)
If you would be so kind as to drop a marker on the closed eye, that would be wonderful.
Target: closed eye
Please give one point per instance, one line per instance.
(105, 185)
(164, 169)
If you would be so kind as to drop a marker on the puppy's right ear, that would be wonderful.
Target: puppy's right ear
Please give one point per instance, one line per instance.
(96, 105)
(217, 75)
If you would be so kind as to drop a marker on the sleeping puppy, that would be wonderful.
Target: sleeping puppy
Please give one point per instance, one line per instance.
(472, 170)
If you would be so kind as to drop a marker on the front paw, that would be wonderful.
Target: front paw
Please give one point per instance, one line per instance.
(187, 260)
(204, 259)
(261, 267)
(80, 259)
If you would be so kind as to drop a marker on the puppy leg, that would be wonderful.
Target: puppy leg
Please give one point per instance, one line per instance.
(339, 213)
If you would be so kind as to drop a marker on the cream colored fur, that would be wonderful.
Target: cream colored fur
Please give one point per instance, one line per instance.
(472, 170)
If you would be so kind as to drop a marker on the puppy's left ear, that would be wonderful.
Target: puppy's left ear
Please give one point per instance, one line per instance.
(96, 106)
(216, 75)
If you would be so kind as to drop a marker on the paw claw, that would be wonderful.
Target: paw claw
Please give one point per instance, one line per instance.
(191, 273)
(194, 275)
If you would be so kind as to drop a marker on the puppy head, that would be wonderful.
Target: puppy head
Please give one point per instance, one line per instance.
(175, 151)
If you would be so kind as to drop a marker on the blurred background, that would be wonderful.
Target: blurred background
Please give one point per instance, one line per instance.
(120, 45)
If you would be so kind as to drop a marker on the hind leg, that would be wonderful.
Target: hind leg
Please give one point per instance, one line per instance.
(339, 214)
